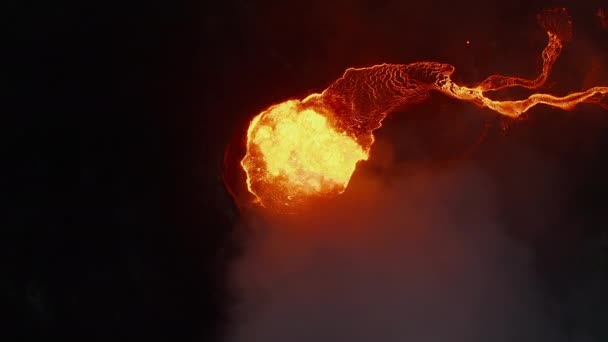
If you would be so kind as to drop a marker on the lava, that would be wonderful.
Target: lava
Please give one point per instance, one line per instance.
(301, 150)
(302, 154)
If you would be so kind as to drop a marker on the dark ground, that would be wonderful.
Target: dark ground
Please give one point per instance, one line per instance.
(117, 224)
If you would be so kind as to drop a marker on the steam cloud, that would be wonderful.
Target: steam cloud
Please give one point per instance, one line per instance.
(418, 257)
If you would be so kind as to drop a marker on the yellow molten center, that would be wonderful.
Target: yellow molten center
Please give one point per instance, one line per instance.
(301, 152)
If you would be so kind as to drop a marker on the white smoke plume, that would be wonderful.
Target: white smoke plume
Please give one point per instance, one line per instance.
(408, 253)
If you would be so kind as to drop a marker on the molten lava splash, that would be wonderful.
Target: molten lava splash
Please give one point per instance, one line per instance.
(303, 154)
(298, 150)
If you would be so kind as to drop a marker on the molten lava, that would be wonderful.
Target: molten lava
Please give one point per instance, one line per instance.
(302, 154)
(300, 150)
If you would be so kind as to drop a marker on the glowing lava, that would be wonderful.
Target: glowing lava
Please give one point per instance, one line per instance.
(302, 154)
(301, 150)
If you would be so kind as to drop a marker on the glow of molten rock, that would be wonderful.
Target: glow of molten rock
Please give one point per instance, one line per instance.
(300, 150)
(301, 153)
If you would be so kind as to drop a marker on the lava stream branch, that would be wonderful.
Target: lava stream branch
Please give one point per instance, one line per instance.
(516, 108)
(549, 55)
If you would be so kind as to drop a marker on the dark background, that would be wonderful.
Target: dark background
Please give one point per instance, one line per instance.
(117, 222)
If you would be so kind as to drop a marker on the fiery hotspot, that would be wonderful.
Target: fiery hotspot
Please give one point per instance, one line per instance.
(301, 150)
(294, 152)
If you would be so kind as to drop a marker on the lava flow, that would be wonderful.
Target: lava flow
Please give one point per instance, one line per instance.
(301, 150)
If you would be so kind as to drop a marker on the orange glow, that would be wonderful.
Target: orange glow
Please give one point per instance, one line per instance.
(300, 150)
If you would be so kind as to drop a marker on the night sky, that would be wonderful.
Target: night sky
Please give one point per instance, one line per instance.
(117, 223)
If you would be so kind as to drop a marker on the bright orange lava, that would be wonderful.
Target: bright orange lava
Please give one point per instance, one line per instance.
(302, 154)
(301, 150)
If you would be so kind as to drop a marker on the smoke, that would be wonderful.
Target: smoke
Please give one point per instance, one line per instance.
(410, 252)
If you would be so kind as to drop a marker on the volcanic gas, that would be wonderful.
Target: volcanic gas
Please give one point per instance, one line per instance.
(301, 150)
